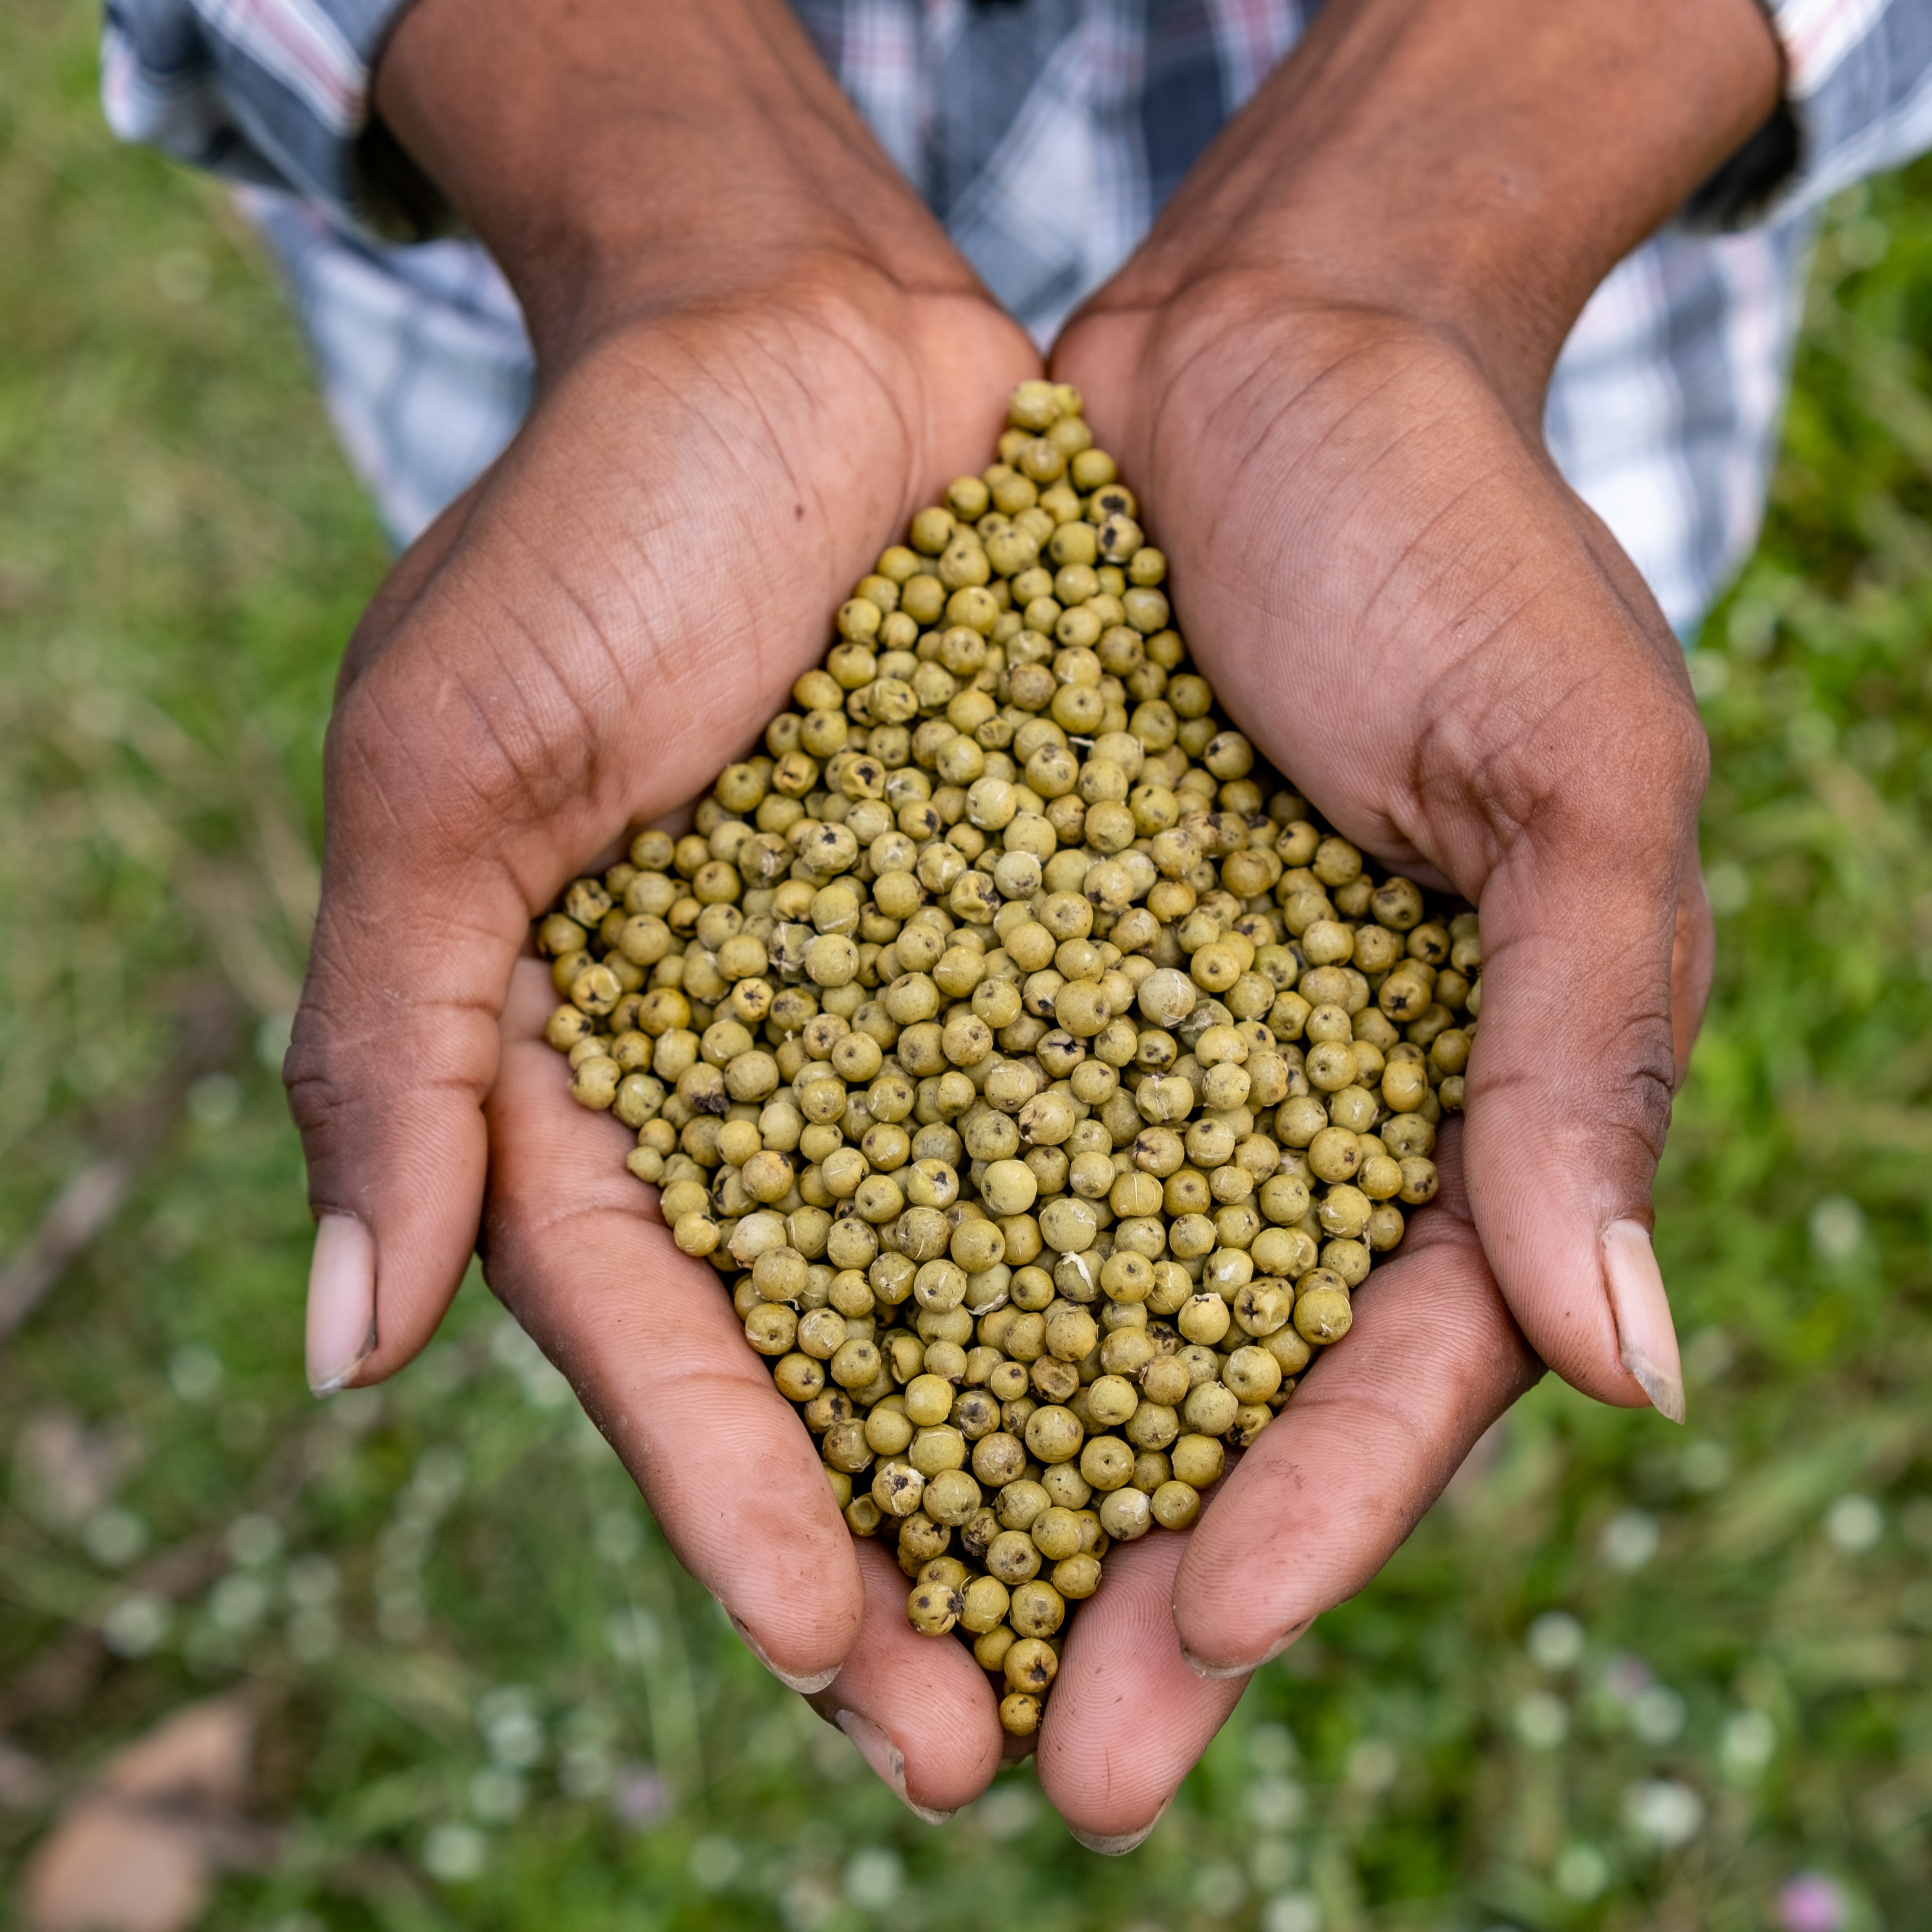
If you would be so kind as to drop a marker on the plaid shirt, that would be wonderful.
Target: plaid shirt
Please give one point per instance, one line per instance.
(1046, 134)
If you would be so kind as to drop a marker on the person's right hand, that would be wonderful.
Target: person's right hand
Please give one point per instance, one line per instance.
(720, 448)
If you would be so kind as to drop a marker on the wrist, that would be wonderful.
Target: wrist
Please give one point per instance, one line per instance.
(1473, 168)
(621, 158)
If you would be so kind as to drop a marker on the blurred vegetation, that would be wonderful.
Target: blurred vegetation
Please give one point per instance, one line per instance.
(1622, 1677)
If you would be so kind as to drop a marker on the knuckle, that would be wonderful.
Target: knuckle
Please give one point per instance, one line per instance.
(1685, 747)
(432, 745)
(1620, 755)
(323, 1080)
(364, 1065)
(1609, 1108)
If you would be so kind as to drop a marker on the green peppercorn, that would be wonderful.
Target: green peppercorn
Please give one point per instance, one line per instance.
(1013, 1557)
(770, 1328)
(1038, 1608)
(1248, 1424)
(1323, 1314)
(1020, 1711)
(897, 1487)
(1066, 1488)
(1198, 1460)
(1055, 1533)
(934, 1608)
(1031, 1665)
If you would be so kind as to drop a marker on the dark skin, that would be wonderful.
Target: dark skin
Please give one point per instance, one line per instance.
(1324, 370)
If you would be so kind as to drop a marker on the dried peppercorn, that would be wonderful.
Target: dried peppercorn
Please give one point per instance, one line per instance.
(1039, 1073)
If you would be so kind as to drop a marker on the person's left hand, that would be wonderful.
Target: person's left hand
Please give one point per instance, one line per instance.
(1324, 374)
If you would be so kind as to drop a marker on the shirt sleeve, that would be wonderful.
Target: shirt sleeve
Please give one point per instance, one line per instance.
(1857, 99)
(1859, 83)
(272, 91)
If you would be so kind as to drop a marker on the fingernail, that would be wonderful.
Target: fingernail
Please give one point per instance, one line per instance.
(1217, 1673)
(886, 1758)
(805, 1686)
(1646, 1337)
(1120, 1845)
(341, 1302)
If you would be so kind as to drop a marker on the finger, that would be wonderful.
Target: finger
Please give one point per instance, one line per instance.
(395, 1045)
(1128, 1717)
(391, 1053)
(1333, 1485)
(1571, 1082)
(921, 1711)
(648, 1338)
(447, 809)
(1597, 946)
(1693, 944)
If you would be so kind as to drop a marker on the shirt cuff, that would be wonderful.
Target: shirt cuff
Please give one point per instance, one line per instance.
(272, 91)
(1857, 100)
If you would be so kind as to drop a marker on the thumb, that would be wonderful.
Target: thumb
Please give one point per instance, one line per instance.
(1596, 961)
(396, 1041)
(395, 1046)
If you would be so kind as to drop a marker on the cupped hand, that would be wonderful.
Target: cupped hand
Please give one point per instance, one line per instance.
(1374, 561)
(1399, 601)
(576, 650)
(1326, 370)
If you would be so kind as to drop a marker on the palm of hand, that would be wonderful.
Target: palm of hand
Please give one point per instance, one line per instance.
(658, 548)
(1388, 581)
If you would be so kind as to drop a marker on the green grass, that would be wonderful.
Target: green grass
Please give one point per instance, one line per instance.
(448, 1606)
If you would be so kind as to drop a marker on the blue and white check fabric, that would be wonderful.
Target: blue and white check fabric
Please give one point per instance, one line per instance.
(1046, 134)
